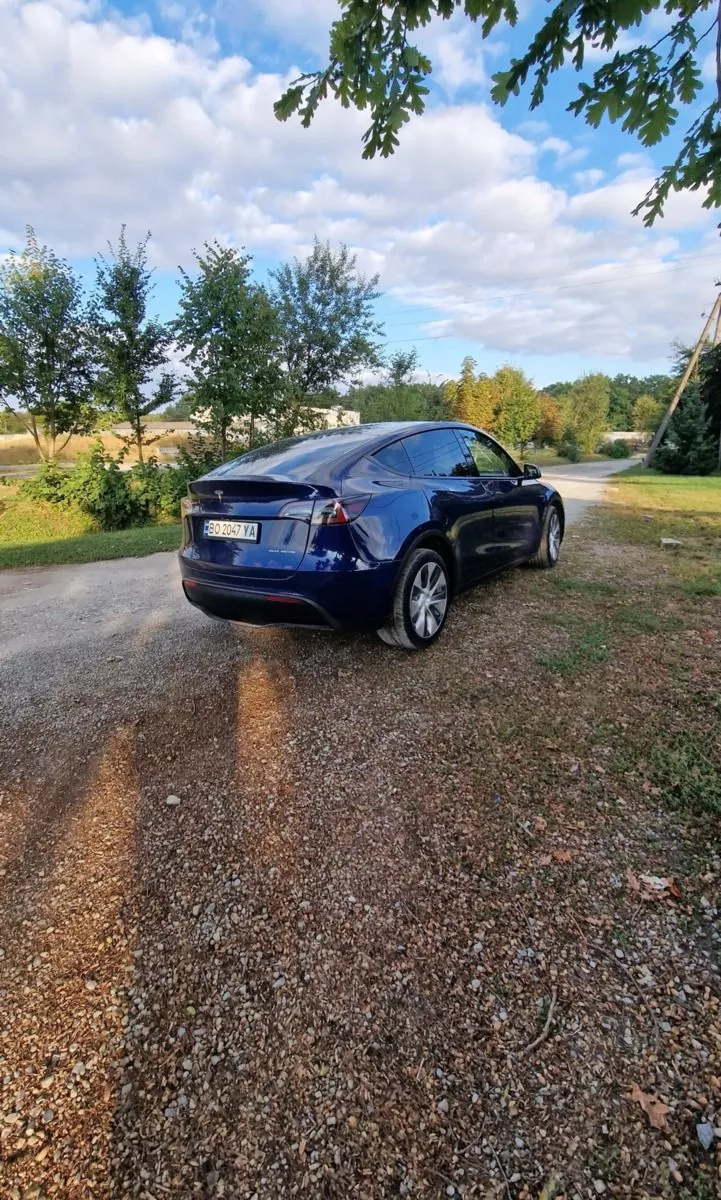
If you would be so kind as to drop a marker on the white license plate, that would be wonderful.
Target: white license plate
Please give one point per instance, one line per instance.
(239, 531)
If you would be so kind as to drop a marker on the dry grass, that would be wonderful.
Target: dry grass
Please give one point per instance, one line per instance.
(20, 449)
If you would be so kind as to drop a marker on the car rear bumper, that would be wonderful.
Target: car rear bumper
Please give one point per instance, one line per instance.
(311, 599)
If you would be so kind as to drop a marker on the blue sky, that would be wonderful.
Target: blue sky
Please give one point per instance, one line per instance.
(497, 233)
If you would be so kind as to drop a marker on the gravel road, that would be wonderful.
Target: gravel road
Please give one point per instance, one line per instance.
(283, 912)
(89, 636)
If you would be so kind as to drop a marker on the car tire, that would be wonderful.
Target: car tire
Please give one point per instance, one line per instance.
(420, 602)
(549, 547)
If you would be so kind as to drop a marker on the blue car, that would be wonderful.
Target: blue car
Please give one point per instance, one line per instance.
(365, 527)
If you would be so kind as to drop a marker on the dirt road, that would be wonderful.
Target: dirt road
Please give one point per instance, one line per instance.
(293, 915)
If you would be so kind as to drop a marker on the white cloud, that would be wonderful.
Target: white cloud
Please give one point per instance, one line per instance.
(107, 122)
(458, 59)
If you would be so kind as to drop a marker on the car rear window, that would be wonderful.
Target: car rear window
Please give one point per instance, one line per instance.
(438, 452)
(395, 457)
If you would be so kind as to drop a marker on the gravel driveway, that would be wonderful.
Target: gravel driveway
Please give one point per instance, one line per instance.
(288, 914)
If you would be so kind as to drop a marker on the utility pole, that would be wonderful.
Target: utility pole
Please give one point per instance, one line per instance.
(716, 338)
(715, 314)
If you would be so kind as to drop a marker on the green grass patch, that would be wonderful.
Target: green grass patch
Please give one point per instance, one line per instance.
(588, 647)
(91, 547)
(33, 533)
(646, 506)
(689, 774)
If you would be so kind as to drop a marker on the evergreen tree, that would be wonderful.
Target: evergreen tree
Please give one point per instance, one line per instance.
(46, 354)
(689, 447)
(132, 347)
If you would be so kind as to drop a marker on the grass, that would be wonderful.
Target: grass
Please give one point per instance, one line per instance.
(33, 533)
(688, 771)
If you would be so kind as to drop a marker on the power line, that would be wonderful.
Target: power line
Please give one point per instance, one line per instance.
(689, 266)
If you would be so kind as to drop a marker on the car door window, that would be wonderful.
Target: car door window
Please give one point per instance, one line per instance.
(489, 458)
(395, 457)
(438, 452)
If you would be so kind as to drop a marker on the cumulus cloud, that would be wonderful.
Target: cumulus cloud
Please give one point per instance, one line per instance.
(108, 122)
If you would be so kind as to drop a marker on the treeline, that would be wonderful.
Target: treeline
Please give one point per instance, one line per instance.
(72, 363)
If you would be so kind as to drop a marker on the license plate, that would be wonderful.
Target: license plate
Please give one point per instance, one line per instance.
(239, 531)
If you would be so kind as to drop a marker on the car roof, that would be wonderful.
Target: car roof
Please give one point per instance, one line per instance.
(302, 457)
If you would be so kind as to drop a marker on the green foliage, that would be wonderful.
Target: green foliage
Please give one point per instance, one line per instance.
(519, 408)
(688, 447)
(132, 347)
(397, 402)
(47, 484)
(373, 64)
(587, 409)
(46, 355)
(647, 413)
(328, 331)
(617, 448)
(569, 446)
(229, 331)
(181, 409)
(475, 399)
(97, 486)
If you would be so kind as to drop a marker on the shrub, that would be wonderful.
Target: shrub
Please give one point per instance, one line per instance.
(98, 487)
(47, 484)
(569, 447)
(615, 448)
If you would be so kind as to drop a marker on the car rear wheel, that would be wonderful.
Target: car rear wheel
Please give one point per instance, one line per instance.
(420, 602)
(549, 547)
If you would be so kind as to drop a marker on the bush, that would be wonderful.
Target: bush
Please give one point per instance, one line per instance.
(155, 490)
(47, 485)
(98, 487)
(569, 446)
(616, 448)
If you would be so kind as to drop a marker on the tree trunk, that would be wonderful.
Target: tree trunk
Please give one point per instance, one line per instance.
(139, 441)
(251, 430)
(224, 439)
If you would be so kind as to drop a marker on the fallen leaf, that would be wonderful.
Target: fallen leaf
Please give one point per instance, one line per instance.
(544, 860)
(654, 1108)
(563, 855)
(659, 886)
(540, 824)
(632, 881)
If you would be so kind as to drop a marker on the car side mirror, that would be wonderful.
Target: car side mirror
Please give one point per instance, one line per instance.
(531, 471)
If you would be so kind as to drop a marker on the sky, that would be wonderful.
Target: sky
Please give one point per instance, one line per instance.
(498, 233)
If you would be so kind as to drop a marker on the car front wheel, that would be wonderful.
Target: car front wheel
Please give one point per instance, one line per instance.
(550, 545)
(420, 602)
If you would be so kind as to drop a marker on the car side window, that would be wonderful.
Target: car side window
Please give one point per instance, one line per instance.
(438, 452)
(395, 457)
(489, 458)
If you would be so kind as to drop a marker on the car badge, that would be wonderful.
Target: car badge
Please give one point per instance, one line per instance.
(219, 494)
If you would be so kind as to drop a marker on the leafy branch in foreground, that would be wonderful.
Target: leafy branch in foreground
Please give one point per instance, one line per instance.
(372, 64)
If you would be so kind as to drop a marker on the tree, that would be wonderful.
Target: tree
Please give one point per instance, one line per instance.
(588, 409)
(397, 402)
(229, 332)
(132, 347)
(473, 398)
(519, 409)
(550, 425)
(689, 447)
(646, 414)
(46, 354)
(181, 409)
(328, 331)
(374, 64)
(401, 365)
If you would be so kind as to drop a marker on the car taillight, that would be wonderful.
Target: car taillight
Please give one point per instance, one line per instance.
(339, 512)
(186, 506)
(297, 510)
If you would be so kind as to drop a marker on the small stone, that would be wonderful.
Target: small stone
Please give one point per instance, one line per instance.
(48, 1116)
(187, 1064)
(79, 1069)
(475, 984)
(599, 1186)
(706, 1134)
(172, 801)
(442, 1105)
(670, 543)
(450, 1190)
